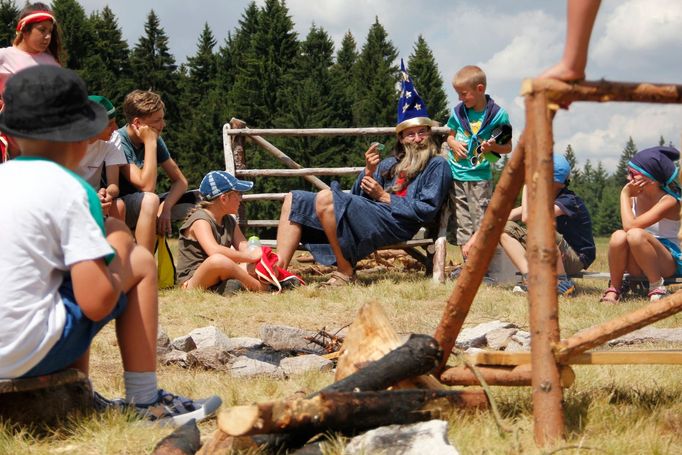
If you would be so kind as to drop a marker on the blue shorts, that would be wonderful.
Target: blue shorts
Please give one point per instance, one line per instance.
(77, 335)
(674, 249)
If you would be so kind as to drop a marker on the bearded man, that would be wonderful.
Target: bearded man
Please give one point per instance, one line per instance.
(389, 202)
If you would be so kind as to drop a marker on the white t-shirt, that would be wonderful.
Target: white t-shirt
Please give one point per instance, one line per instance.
(13, 60)
(48, 222)
(99, 153)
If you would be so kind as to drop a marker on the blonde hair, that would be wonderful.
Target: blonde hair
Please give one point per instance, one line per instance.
(469, 76)
(141, 103)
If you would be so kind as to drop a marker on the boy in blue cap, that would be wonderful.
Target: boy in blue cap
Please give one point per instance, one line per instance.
(574, 239)
(64, 272)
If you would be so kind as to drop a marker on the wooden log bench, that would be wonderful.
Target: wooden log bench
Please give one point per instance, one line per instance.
(45, 400)
(428, 246)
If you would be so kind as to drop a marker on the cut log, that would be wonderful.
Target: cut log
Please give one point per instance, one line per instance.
(221, 443)
(185, 440)
(370, 337)
(500, 376)
(346, 412)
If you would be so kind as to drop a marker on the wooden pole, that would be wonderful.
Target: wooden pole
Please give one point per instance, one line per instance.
(602, 91)
(303, 132)
(345, 411)
(541, 252)
(238, 158)
(500, 375)
(299, 172)
(599, 334)
(492, 225)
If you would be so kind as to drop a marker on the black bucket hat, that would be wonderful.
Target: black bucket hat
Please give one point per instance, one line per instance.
(50, 103)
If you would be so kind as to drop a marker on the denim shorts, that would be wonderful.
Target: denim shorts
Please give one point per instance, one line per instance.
(77, 335)
(674, 250)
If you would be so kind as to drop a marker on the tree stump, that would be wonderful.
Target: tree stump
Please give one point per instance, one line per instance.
(45, 400)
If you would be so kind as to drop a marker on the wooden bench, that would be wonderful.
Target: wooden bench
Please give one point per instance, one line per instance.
(428, 246)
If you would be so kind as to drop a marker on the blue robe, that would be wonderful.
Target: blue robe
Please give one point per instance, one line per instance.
(365, 225)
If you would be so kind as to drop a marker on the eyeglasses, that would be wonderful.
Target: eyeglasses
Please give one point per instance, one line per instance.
(413, 135)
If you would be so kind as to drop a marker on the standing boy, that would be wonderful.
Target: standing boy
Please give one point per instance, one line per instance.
(471, 148)
(61, 279)
(145, 150)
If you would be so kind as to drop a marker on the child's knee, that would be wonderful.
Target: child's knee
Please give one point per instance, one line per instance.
(150, 203)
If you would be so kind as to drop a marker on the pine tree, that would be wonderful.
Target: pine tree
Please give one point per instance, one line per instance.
(77, 34)
(661, 141)
(376, 77)
(257, 94)
(153, 67)
(342, 76)
(8, 22)
(573, 162)
(231, 54)
(423, 69)
(106, 69)
(607, 220)
(620, 177)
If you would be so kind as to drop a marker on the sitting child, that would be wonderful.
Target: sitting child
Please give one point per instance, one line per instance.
(64, 273)
(574, 240)
(650, 211)
(212, 251)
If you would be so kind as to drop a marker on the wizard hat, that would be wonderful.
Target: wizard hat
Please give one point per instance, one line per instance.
(411, 107)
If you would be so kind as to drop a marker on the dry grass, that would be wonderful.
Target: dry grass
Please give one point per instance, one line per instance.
(623, 409)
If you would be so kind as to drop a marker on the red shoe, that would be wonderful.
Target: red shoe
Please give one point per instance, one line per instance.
(289, 280)
(267, 270)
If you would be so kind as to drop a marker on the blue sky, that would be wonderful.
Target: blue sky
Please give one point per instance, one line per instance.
(633, 40)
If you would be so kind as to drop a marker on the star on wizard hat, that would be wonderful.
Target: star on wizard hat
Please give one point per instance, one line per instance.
(411, 107)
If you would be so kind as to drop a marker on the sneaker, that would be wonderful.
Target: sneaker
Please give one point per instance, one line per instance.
(168, 409)
(456, 272)
(176, 410)
(520, 288)
(565, 288)
(658, 293)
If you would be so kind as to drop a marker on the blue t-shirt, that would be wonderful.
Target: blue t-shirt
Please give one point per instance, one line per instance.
(463, 170)
(135, 155)
(576, 225)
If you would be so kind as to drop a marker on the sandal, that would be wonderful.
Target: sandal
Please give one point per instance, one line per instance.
(339, 279)
(658, 293)
(613, 290)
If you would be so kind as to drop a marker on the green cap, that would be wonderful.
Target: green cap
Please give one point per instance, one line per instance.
(105, 103)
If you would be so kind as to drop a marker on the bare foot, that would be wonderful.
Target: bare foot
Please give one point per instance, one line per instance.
(562, 72)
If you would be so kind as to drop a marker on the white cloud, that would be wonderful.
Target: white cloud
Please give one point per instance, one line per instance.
(640, 25)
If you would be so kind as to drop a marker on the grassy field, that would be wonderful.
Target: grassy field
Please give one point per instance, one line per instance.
(609, 409)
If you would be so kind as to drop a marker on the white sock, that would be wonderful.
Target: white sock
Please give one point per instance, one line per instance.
(659, 284)
(141, 388)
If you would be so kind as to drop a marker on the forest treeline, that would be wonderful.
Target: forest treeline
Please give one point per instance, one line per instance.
(268, 76)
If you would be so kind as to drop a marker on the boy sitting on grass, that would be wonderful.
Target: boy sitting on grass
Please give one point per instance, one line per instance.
(64, 272)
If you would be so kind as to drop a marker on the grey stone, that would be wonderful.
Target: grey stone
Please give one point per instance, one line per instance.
(416, 439)
(241, 343)
(184, 343)
(210, 336)
(499, 338)
(304, 363)
(162, 342)
(210, 358)
(178, 358)
(475, 336)
(519, 342)
(649, 335)
(284, 338)
(244, 367)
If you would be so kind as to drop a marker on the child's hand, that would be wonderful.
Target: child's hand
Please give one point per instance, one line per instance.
(253, 255)
(105, 199)
(146, 133)
(459, 150)
(487, 146)
(372, 159)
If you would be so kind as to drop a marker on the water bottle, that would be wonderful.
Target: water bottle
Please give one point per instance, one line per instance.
(253, 242)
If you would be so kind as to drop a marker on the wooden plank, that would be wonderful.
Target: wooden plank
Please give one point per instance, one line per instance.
(632, 278)
(587, 358)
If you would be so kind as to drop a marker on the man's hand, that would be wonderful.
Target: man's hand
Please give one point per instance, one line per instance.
(105, 199)
(372, 159)
(372, 188)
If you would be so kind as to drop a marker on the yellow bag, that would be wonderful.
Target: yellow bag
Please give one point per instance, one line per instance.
(165, 266)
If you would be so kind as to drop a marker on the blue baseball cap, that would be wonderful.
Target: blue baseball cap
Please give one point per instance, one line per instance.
(562, 169)
(216, 183)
